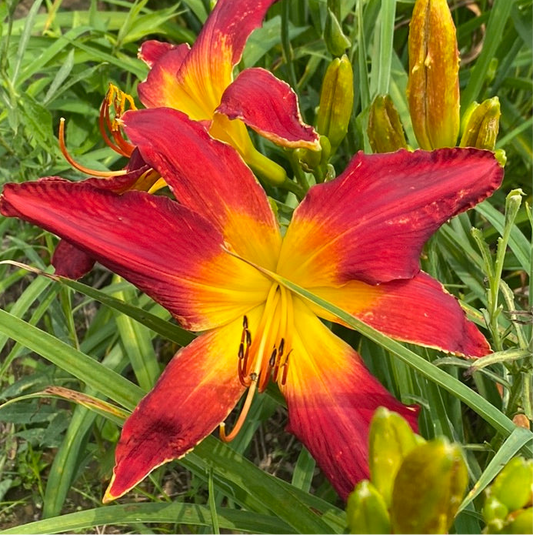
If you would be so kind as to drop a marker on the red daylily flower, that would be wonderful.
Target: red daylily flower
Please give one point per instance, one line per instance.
(354, 241)
(199, 82)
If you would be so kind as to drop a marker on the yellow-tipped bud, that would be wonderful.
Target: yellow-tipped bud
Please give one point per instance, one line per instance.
(482, 123)
(366, 510)
(385, 131)
(433, 87)
(336, 101)
(428, 489)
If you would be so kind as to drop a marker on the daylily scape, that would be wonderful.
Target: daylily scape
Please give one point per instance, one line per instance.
(206, 257)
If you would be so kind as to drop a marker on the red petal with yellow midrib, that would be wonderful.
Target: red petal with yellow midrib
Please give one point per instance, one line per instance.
(270, 107)
(166, 250)
(194, 395)
(371, 222)
(417, 310)
(331, 398)
(210, 178)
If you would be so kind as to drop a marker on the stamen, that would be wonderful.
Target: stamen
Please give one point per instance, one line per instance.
(118, 99)
(273, 356)
(241, 350)
(242, 415)
(245, 322)
(76, 165)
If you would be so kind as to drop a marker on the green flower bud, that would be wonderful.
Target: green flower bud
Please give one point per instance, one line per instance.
(433, 87)
(482, 125)
(385, 131)
(514, 485)
(390, 440)
(429, 488)
(336, 101)
(366, 510)
(336, 41)
(494, 514)
(522, 523)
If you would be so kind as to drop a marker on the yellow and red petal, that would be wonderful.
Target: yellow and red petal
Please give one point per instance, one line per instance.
(151, 52)
(210, 178)
(418, 311)
(197, 87)
(159, 88)
(371, 222)
(166, 250)
(194, 395)
(331, 398)
(270, 107)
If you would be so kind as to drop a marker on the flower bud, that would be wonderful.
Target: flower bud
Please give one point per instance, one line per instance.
(366, 510)
(336, 41)
(482, 122)
(433, 86)
(428, 489)
(336, 101)
(514, 485)
(390, 440)
(385, 131)
(494, 514)
(522, 523)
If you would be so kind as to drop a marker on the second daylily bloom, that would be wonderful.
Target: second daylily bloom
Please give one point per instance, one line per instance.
(354, 241)
(199, 82)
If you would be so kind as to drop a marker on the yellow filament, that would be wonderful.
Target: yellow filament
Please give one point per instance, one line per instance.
(76, 165)
(263, 334)
(160, 183)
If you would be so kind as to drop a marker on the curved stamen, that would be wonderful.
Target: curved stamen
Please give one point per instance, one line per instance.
(78, 166)
(242, 416)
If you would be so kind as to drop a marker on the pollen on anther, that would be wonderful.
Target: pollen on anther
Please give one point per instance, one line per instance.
(273, 356)
(248, 337)
(245, 322)
(281, 346)
(241, 350)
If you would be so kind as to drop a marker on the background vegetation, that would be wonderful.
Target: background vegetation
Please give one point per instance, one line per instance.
(101, 338)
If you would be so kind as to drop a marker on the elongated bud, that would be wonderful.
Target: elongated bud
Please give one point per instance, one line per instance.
(336, 101)
(366, 510)
(514, 485)
(428, 488)
(390, 440)
(433, 87)
(482, 125)
(336, 41)
(385, 131)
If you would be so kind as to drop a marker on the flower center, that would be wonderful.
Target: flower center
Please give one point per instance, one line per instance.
(264, 354)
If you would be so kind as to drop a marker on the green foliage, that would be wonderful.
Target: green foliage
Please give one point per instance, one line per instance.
(107, 341)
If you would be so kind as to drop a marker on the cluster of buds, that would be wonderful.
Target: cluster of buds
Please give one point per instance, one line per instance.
(415, 486)
(433, 92)
(508, 504)
(336, 99)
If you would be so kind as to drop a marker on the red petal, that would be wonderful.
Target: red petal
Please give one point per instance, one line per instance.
(417, 310)
(196, 392)
(207, 70)
(371, 223)
(165, 61)
(331, 399)
(153, 51)
(210, 178)
(269, 106)
(169, 252)
(70, 261)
